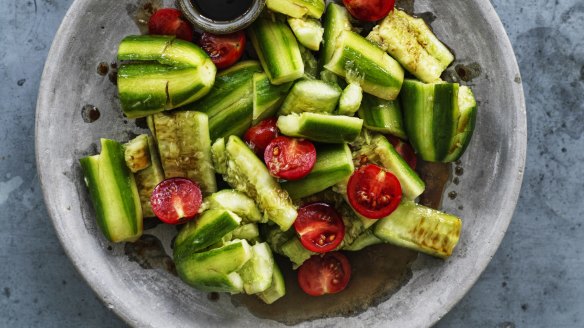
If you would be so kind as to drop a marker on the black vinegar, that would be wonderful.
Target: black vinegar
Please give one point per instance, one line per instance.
(222, 10)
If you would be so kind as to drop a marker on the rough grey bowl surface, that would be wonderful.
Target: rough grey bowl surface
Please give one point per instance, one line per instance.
(487, 191)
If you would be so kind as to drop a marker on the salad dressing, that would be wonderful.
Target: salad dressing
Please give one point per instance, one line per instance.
(222, 10)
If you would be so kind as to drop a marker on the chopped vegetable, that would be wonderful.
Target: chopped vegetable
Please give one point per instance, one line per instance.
(169, 21)
(176, 200)
(224, 50)
(374, 192)
(320, 227)
(290, 158)
(324, 274)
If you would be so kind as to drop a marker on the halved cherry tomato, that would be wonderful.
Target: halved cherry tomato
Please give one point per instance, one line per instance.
(369, 10)
(169, 21)
(320, 227)
(374, 192)
(176, 200)
(224, 50)
(324, 274)
(405, 150)
(290, 158)
(259, 136)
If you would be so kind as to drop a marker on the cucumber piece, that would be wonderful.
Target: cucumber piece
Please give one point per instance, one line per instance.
(321, 127)
(245, 172)
(249, 232)
(380, 151)
(336, 20)
(183, 74)
(365, 239)
(205, 231)
(350, 99)
(277, 287)
(297, 8)
(267, 98)
(467, 106)
(113, 192)
(277, 50)
(229, 104)
(137, 153)
(362, 62)
(420, 228)
(185, 147)
(294, 250)
(276, 237)
(258, 271)
(215, 270)
(148, 178)
(334, 163)
(431, 116)
(308, 31)
(411, 42)
(237, 202)
(311, 96)
(310, 63)
(383, 116)
(219, 156)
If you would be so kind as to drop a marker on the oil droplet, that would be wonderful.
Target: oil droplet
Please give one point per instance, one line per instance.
(461, 207)
(90, 113)
(452, 195)
(213, 297)
(458, 170)
(456, 180)
(468, 72)
(102, 68)
(113, 77)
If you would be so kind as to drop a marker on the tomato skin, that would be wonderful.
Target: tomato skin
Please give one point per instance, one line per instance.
(224, 50)
(374, 192)
(176, 200)
(169, 21)
(290, 158)
(324, 274)
(320, 227)
(259, 136)
(369, 10)
(405, 150)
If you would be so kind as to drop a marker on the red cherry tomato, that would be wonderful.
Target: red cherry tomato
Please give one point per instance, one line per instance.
(405, 150)
(169, 21)
(176, 200)
(290, 158)
(224, 50)
(374, 192)
(320, 227)
(324, 274)
(369, 10)
(259, 136)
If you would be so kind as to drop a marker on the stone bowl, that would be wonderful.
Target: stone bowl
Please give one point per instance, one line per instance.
(487, 180)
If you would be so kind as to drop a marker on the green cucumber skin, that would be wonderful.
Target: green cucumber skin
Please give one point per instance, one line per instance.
(183, 74)
(297, 253)
(277, 50)
(360, 61)
(149, 178)
(334, 163)
(205, 231)
(215, 270)
(184, 146)
(267, 97)
(308, 32)
(297, 8)
(277, 288)
(365, 239)
(321, 127)
(445, 114)
(113, 192)
(420, 228)
(245, 172)
(311, 96)
(465, 126)
(336, 20)
(382, 115)
(237, 202)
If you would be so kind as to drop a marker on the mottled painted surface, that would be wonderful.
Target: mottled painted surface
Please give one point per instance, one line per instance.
(533, 281)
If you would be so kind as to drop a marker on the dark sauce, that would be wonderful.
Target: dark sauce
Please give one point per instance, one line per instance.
(102, 69)
(222, 10)
(90, 113)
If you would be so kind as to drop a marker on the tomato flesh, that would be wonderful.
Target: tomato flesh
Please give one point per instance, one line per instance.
(320, 227)
(324, 274)
(259, 136)
(176, 200)
(369, 10)
(169, 21)
(374, 192)
(290, 158)
(224, 50)
(405, 150)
